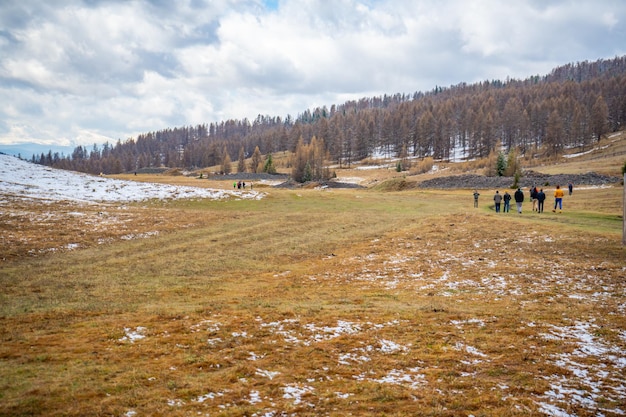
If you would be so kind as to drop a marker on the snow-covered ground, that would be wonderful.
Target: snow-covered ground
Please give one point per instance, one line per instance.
(583, 363)
(587, 372)
(19, 178)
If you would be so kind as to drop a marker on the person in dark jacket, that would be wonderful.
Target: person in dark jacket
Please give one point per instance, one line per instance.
(507, 201)
(519, 199)
(533, 197)
(541, 197)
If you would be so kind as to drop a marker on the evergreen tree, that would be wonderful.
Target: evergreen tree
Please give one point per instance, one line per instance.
(500, 164)
(308, 173)
(269, 165)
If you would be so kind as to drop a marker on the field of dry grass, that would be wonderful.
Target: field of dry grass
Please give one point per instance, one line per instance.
(324, 302)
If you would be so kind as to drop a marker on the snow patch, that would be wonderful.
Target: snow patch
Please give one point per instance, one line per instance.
(24, 179)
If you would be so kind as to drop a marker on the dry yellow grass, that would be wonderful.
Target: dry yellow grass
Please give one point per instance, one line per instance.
(606, 157)
(316, 302)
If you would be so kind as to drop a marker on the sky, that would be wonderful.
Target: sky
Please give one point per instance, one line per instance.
(79, 72)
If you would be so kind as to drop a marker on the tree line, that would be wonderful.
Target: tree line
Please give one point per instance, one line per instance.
(573, 106)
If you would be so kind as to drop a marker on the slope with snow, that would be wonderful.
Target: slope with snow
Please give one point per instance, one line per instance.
(19, 178)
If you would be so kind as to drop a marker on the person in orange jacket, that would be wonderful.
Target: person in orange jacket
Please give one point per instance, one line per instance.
(558, 198)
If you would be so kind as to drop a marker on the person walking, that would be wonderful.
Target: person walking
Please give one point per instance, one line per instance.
(507, 201)
(476, 194)
(541, 197)
(519, 199)
(558, 199)
(570, 187)
(497, 200)
(533, 197)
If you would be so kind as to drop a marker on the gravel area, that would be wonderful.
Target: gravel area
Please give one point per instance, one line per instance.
(529, 179)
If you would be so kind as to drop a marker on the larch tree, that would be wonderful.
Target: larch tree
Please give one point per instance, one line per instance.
(554, 134)
(226, 166)
(512, 163)
(599, 118)
(308, 161)
(256, 160)
(300, 159)
(241, 164)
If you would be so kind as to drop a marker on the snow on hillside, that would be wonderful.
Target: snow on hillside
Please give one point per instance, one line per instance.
(19, 178)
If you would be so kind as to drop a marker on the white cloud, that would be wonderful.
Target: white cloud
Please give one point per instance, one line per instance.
(116, 68)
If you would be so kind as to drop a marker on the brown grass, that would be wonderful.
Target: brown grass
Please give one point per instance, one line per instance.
(313, 302)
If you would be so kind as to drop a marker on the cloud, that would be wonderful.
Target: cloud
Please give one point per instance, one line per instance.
(76, 71)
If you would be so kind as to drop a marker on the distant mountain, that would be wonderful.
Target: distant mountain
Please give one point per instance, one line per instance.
(27, 150)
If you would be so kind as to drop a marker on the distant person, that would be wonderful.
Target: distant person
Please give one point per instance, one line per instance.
(519, 199)
(558, 199)
(570, 187)
(533, 197)
(507, 201)
(476, 195)
(497, 199)
(541, 197)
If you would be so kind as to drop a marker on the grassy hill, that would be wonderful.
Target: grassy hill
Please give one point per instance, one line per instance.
(388, 300)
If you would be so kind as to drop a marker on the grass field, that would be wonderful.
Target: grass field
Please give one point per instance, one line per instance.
(325, 302)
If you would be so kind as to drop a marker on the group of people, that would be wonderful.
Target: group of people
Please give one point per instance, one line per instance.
(537, 197)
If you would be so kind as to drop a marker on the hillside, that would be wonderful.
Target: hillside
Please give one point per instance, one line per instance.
(575, 106)
(309, 301)
(23, 180)
(77, 201)
(46, 210)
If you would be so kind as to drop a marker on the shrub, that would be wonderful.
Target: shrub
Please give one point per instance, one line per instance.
(425, 165)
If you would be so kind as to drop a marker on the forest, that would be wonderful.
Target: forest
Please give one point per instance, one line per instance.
(573, 106)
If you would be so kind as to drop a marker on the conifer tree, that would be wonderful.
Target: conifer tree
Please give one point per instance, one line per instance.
(599, 118)
(308, 161)
(226, 163)
(308, 172)
(241, 165)
(512, 164)
(404, 162)
(300, 159)
(554, 134)
(255, 162)
(500, 164)
(269, 165)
